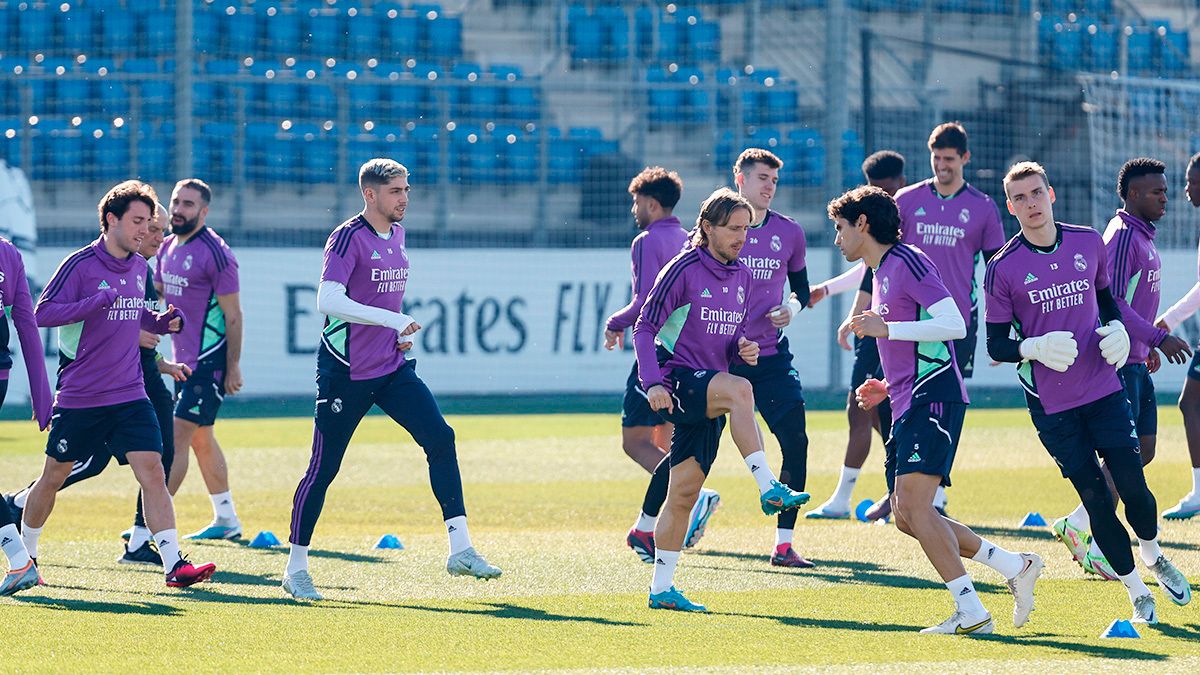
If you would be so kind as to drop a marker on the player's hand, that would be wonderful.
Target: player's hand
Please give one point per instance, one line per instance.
(148, 340)
(233, 378)
(1153, 362)
(1056, 350)
(108, 297)
(843, 335)
(175, 324)
(401, 343)
(179, 372)
(748, 351)
(869, 324)
(614, 339)
(659, 399)
(871, 393)
(816, 294)
(1114, 343)
(1175, 349)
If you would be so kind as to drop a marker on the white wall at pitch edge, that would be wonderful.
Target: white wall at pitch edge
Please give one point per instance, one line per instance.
(520, 321)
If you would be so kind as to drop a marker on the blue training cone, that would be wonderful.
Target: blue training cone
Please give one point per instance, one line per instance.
(265, 539)
(389, 541)
(860, 511)
(1121, 628)
(1033, 519)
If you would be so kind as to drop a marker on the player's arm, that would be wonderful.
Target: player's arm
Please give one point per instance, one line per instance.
(333, 301)
(781, 315)
(843, 282)
(945, 322)
(58, 306)
(231, 306)
(170, 320)
(988, 254)
(664, 297)
(23, 319)
(1000, 344)
(1121, 266)
(1180, 311)
(625, 317)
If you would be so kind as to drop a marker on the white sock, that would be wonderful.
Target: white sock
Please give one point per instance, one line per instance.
(30, 535)
(845, 488)
(1134, 584)
(1007, 563)
(783, 536)
(223, 505)
(21, 498)
(645, 523)
(1080, 518)
(138, 536)
(1195, 494)
(664, 570)
(168, 547)
(1094, 549)
(297, 560)
(1150, 550)
(13, 547)
(460, 540)
(939, 497)
(965, 597)
(757, 463)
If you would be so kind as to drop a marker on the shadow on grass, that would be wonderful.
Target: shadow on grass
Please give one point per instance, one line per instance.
(1190, 632)
(147, 608)
(504, 610)
(1038, 533)
(1058, 642)
(836, 571)
(314, 553)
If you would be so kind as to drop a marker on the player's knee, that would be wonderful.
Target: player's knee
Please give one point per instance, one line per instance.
(1189, 402)
(742, 391)
(438, 443)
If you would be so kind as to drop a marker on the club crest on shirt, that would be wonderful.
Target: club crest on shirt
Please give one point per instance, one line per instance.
(187, 262)
(776, 244)
(741, 295)
(964, 216)
(883, 285)
(1080, 263)
(141, 282)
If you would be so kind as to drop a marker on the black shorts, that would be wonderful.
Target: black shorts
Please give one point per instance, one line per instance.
(1194, 368)
(866, 362)
(198, 398)
(964, 349)
(77, 434)
(924, 441)
(635, 410)
(695, 434)
(1143, 404)
(1072, 437)
(776, 384)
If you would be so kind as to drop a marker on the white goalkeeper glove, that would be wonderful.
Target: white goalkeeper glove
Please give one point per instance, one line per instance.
(1056, 350)
(1114, 343)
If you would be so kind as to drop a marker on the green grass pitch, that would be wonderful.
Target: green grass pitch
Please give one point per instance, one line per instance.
(550, 499)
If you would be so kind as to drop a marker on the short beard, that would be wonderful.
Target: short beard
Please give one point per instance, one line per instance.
(186, 228)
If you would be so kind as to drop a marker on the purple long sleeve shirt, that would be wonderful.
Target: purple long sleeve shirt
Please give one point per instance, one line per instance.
(650, 251)
(1136, 273)
(18, 305)
(697, 309)
(772, 250)
(99, 304)
(193, 275)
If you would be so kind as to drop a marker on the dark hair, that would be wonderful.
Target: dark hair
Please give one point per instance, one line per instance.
(751, 156)
(199, 186)
(117, 200)
(1194, 162)
(716, 212)
(949, 135)
(883, 217)
(375, 173)
(883, 165)
(1139, 166)
(654, 181)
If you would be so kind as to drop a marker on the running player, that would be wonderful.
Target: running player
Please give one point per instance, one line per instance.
(915, 320)
(362, 363)
(645, 435)
(1135, 270)
(97, 298)
(1050, 284)
(698, 308)
(197, 273)
(885, 170)
(18, 304)
(1189, 400)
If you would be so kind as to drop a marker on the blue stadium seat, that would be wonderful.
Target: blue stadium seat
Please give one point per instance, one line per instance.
(269, 153)
(157, 31)
(109, 153)
(565, 159)
(614, 26)
(75, 30)
(1175, 52)
(782, 104)
(118, 33)
(363, 35)
(321, 102)
(445, 37)
(425, 148)
(518, 155)
(213, 152)
(205, 33)
(326, 34)
(154, 151)
(317, 153)
(57, 150)
(506, 72)
(72, 97)
(809, 151)
(706, 41)
(240, 31)
(671, 42)
(522, 103)
(1101, 55)
(401, 35)
(643, 30)
(367, 101)
(1067, 48)
(584, 35)
(664, 101)
(34, 28)
(1139, 46)
(283, 34)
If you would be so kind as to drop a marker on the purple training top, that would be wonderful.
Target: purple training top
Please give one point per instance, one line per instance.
(697, 310)
(905, 286)
(651, 250)
(374, 271)
(1039, 292)
(772, 250)
(18, 305)
(99, 303)
(1136, 273)
(193, 274)
(952, 232)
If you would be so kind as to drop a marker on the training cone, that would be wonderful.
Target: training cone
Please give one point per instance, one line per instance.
(1121, 628)
(389, 541)
(1033, 519)
(265, 539)
(860, 511)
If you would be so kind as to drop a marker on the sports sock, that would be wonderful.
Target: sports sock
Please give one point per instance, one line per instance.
(460, 540)
(223, 505)
(939, 497)
(845, 488)
(783, 537)
(965, 597)
(1150, 551)
(14, 549)
(297, 560)
(645, 523)
(30, 535)
(1195, 493)
(20, 498)
(757, 463)
(1135, 585)
(1080, 518)
(1007, 563)
(664, 570)
(168, 547)
(138, 536)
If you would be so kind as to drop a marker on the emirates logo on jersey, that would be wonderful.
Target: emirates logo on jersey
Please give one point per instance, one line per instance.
(1080, 263)
(776, 244)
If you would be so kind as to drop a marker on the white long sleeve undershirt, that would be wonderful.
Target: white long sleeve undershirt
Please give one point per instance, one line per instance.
(945, 323)
(333, 301)
(1182, 310)
(846, 281)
